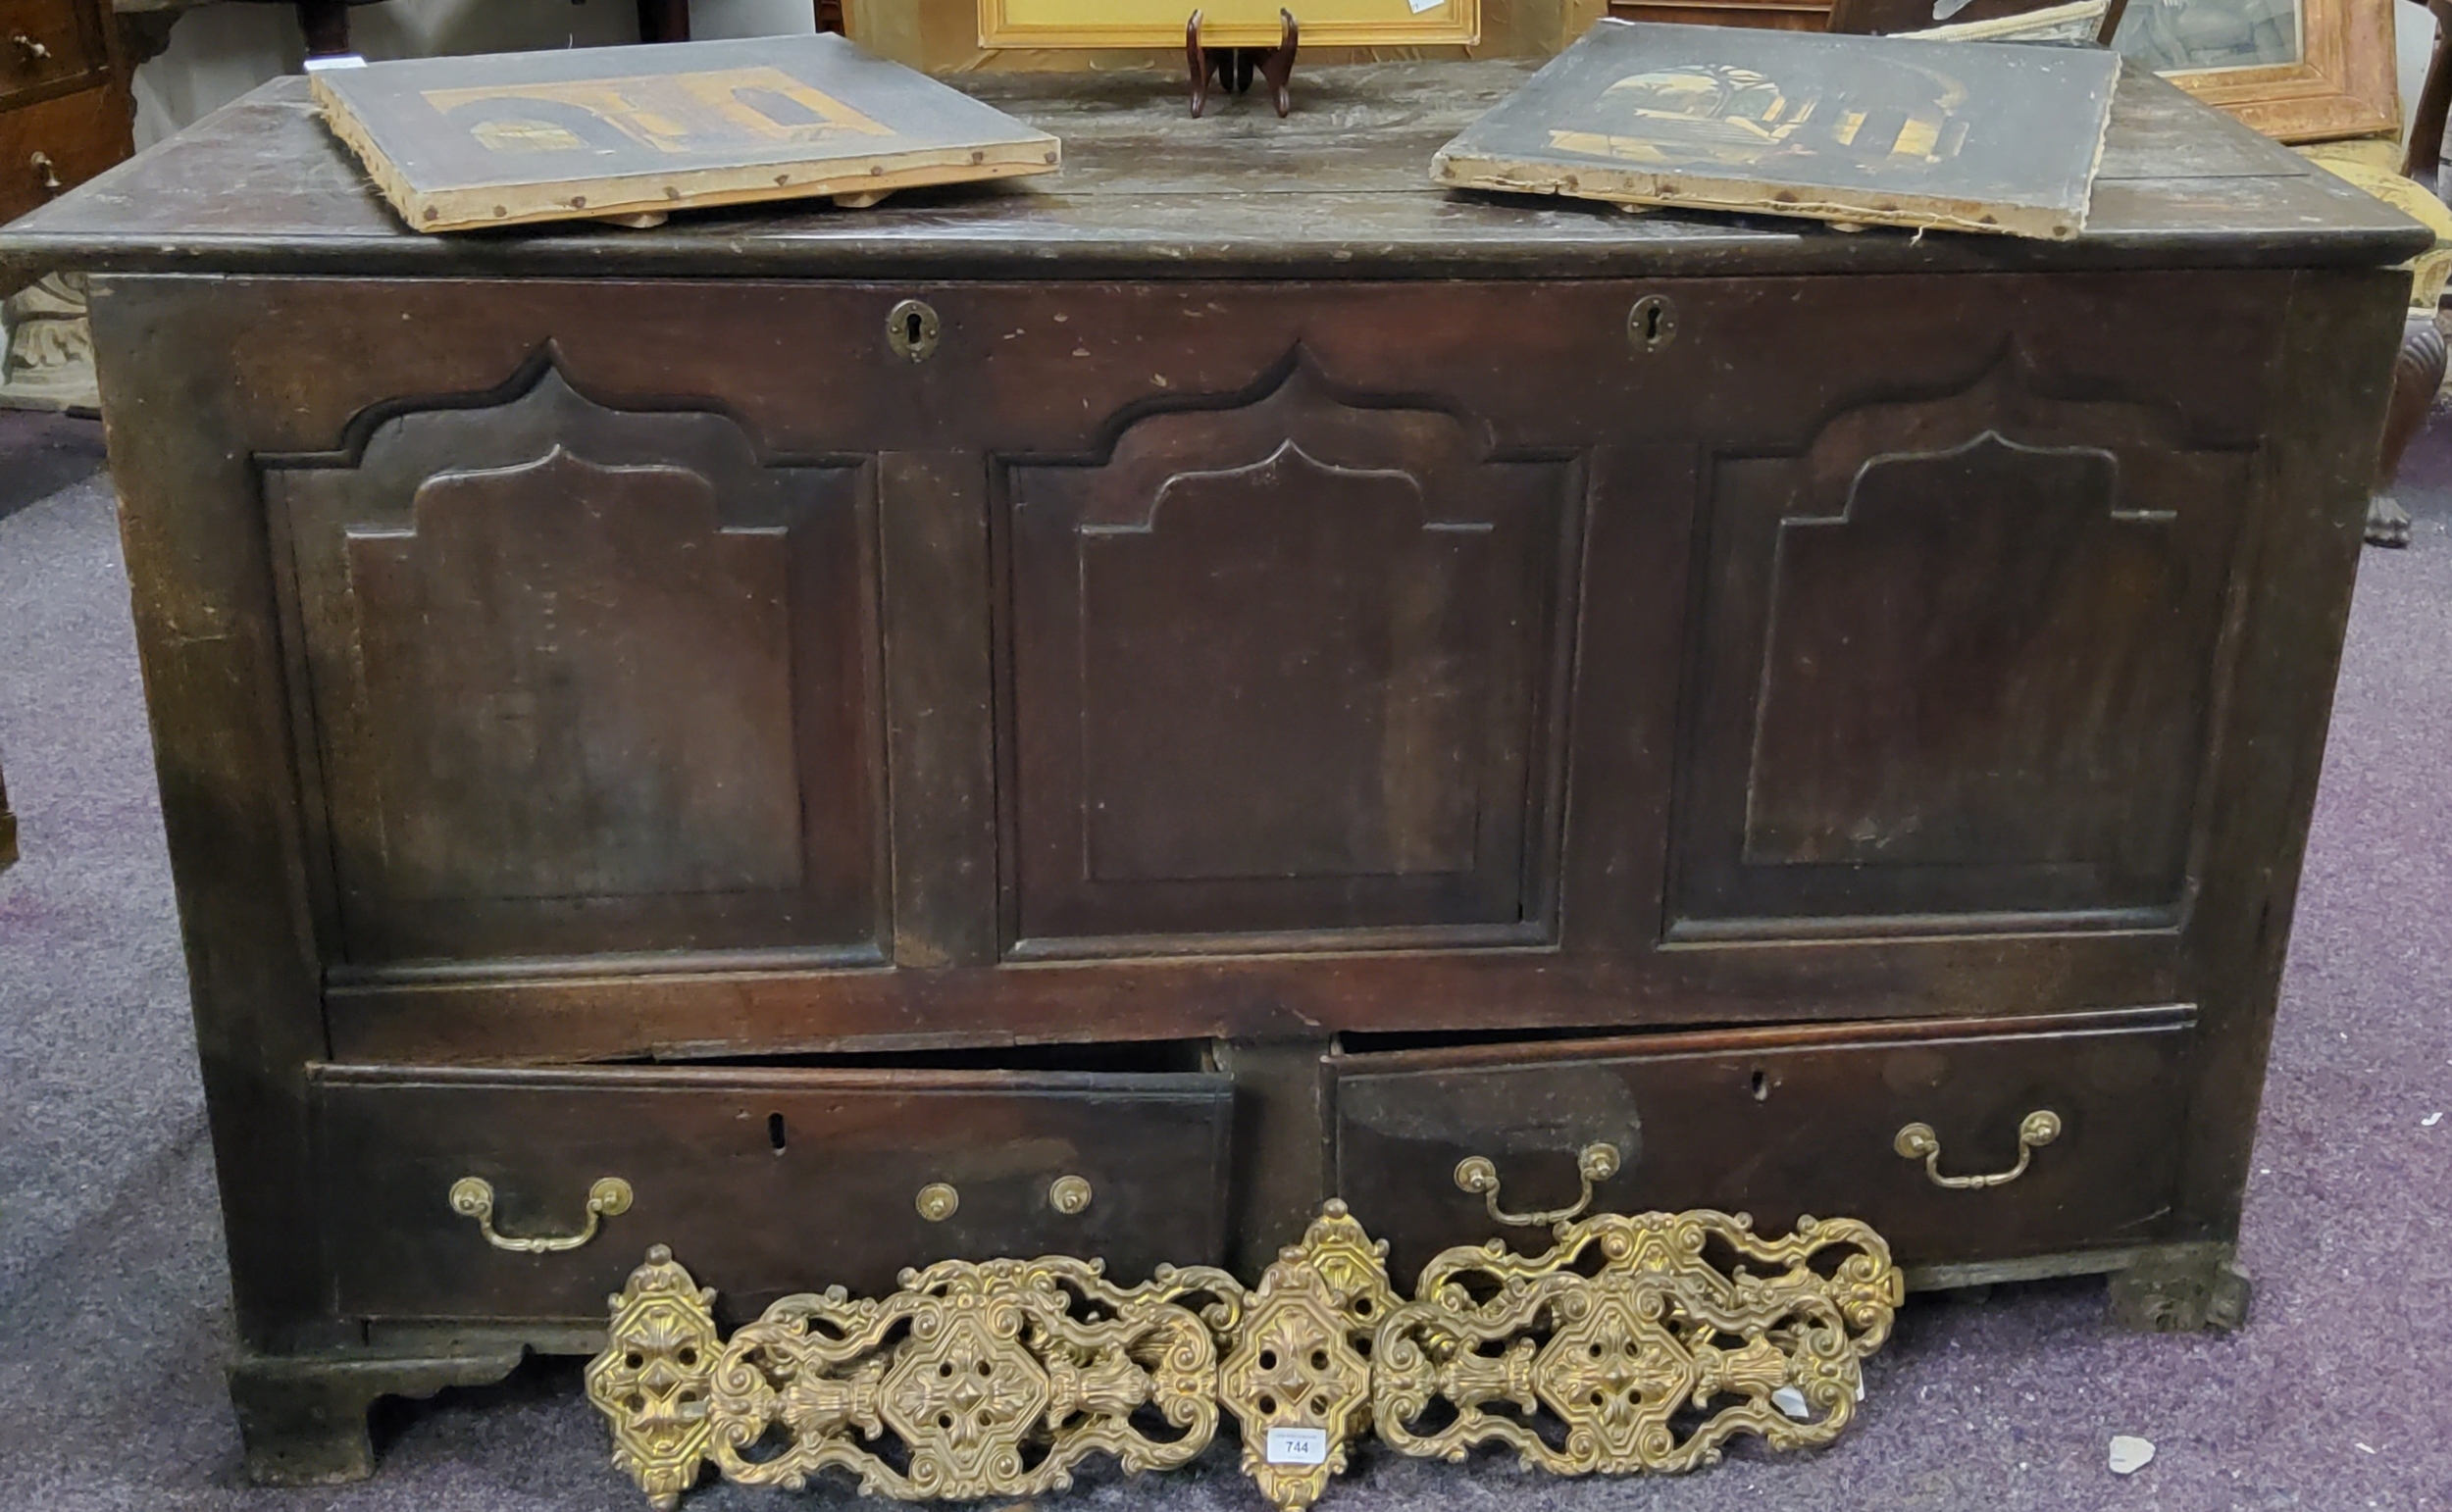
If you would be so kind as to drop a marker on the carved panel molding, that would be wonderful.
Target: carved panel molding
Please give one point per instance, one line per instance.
(579, 678)
(1285, 661)
(1964, 647)
(1634, 1343)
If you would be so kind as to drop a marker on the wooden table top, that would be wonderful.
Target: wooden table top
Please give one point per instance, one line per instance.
(1340, 189)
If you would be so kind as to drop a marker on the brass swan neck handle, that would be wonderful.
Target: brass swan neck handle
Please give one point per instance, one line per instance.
(2036, 1130)
(472, 1197)
(1477, 1174)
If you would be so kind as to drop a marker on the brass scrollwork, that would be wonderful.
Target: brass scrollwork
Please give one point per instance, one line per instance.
(993, 1378)
(1298, 1379)
(472, 1197)
(1650, 1362)
(1636, 1344)
(652, 1380)
(1918, 1142)
(1476, 1174)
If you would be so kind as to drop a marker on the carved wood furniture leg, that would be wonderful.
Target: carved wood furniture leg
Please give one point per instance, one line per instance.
(2424, 157)
(2181, 1289)
(303, 1418)
(2417, 377)
(47, 362)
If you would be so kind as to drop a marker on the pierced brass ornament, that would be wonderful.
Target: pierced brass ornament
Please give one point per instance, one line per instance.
(652, 1380)
(1635, 1343)
(1650, 1362)
(2036, 1130)
(1298, 1379)
(472, 1197)
(993, 1378)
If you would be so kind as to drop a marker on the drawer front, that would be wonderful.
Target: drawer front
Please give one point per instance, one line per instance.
(1782, 1123)
(763, 1183)
(41, 42)
(69, 140)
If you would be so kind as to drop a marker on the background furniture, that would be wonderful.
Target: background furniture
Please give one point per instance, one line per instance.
(64, 117)
(1227, 699)
(64, 111)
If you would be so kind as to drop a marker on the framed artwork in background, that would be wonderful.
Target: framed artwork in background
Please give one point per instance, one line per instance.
(2298, 70)
(1227, 23)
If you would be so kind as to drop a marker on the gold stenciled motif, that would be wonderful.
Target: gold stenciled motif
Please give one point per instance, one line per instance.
(652, 1380)
(1298, 1363)
(1650, 1363)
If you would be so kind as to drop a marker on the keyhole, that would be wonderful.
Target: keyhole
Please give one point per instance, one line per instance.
(1652, 323)
(775, 1131)
(911, 329)
(1761, 1088)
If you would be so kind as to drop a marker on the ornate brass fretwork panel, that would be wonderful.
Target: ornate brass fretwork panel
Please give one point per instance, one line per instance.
(1640, 1342)
(1673, 1343)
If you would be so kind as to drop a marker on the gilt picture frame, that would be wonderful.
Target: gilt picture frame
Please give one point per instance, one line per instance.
(1136, 24)
(2297, 71)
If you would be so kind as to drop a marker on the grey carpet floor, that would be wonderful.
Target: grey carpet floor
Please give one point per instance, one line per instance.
(2338, 1394)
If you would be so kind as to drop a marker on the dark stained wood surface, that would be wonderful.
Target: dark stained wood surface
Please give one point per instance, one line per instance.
(550, 936)
(1339, 189)
(582, 667)
(1778, 1127)
(765, 1180)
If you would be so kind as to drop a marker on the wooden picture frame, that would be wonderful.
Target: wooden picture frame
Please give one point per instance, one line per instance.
(1008, 23)
(2341, 84)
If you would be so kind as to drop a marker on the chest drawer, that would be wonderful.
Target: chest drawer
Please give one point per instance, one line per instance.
(58, 143)
(42, 42)
(1782, 1123)
(763, 1181)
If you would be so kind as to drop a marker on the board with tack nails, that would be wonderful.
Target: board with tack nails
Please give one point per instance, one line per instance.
(1971, 136)
(633, 134)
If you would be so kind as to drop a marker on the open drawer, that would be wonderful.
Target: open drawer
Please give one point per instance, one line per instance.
(762, 1181)
(1780, 1122)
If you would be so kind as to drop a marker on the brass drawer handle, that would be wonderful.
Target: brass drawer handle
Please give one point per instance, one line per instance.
(2036, 1130)
(1069, 1195)
(47, 170)
(35, 51)
(937, 1201)
(1477, 1174)
(472, 1197)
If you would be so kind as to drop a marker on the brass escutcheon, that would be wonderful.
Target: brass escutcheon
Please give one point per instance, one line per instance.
(1594, 1163)
(937, 1201)
(472, 1197)
(2036, 1130)
(1069, 1195)
(911, 329)
(1652, 323)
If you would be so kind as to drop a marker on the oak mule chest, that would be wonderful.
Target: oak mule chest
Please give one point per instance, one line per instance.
(1086, 719)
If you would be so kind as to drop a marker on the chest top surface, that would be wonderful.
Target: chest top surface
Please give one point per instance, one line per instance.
(1340, 189)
